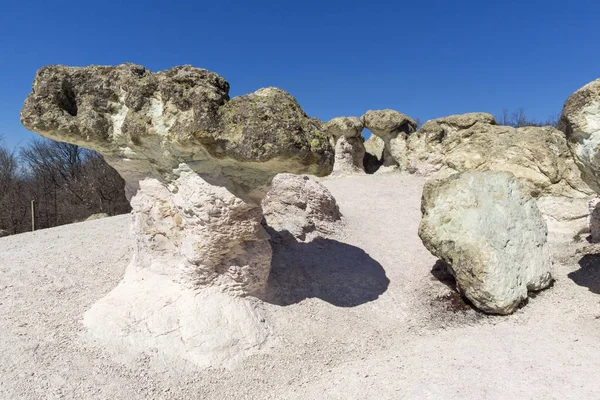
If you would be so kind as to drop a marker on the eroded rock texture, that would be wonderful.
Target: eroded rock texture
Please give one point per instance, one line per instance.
(580, 121)
(393, 128)
(299, 207)
(492, 236)
(538, 156)
(196, 166)
(348, 142)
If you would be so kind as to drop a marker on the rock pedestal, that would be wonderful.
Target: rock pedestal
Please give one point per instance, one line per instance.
(347, 139)
(197, 166)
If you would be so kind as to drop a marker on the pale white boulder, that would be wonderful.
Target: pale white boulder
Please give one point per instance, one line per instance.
(299, 206)
(491, 235)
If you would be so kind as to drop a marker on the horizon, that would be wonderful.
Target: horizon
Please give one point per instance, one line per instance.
(336, 59)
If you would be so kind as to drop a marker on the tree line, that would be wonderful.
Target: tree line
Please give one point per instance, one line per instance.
(67, 183)
(518, 118)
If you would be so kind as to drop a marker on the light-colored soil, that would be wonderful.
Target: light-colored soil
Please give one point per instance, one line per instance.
(360, 317)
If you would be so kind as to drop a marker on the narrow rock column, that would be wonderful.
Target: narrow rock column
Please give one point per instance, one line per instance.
(349, 144)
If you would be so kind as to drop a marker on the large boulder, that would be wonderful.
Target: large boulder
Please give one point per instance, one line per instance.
(347, 139)
(393, 128)
(146, 124)
(299, 208)
(490, 233)
(580, 121)
(538, 156)
(197, 166)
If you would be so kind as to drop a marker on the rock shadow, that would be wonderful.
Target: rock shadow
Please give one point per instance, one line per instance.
(454, 301)
(371, 163)
(335, 272)
(589, 274)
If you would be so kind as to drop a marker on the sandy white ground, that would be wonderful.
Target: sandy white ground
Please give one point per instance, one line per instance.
(361, 317)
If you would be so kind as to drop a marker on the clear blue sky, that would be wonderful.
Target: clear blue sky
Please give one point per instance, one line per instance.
(424, 58)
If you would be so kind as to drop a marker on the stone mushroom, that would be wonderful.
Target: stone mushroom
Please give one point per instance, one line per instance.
(393, 128)
(347, 139)
(196, 166)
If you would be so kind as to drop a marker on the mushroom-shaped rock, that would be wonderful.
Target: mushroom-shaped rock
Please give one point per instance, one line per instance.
(299, 207)
(393, 128)
(580, 121)
(199, 165)
(348, 141)
(490, 233)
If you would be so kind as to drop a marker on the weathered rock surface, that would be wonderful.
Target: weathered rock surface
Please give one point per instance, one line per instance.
(197, 166)
(393, 128)
(146, 124)
(491, 235)
(580, 121)
(348, 142)
(565, 217)
(300, 206)
(538, 156)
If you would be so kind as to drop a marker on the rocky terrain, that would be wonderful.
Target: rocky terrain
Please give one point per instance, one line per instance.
(366, 314)
(276, 256)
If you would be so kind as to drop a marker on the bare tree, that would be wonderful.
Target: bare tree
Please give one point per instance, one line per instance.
(518, 119)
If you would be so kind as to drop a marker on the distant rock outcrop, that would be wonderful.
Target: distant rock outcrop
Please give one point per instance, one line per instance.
(300, 206)
(393, 128)
(490, 233)
(538, 156)
(197, 165)
(348, 142)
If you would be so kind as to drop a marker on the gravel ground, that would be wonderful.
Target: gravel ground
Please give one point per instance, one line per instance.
(363, 316)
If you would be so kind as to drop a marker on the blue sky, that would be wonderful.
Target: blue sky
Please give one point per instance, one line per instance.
(424, 58)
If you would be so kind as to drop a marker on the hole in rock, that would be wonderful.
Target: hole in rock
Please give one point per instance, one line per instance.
(373, 158)
(67, 100)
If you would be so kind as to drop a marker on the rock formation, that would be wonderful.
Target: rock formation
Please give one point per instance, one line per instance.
(490, 233)
(393, 128)
(580, 121)
(300, 206)
(538, 156)
(197, 166)
(348, 142)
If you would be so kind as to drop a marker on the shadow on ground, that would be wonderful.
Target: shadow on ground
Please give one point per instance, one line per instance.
(589, 274)
(335, 272)
(453, 300)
